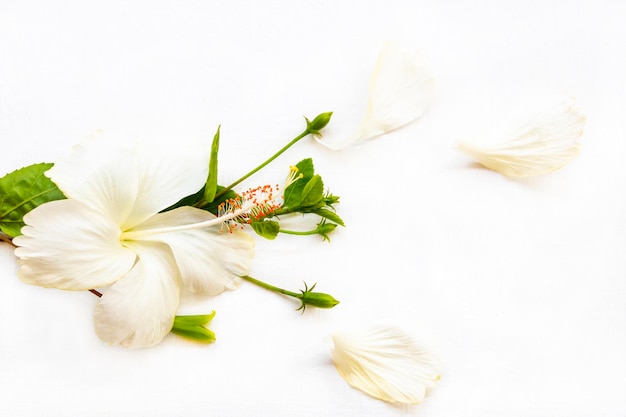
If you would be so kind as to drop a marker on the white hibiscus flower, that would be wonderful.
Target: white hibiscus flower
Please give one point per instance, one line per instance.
(110, 232)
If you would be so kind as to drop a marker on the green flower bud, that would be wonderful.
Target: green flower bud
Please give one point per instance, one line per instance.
(324, 229)
(316, 299)
(318, 123)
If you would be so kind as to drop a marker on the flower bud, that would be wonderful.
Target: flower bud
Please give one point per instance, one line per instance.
(318, 123)
(324, 229)
(319, 299)
(316, 299)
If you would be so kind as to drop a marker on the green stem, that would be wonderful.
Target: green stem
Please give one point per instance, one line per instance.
(283, 211)
(255, 170)
(270, 287)
(293, 232)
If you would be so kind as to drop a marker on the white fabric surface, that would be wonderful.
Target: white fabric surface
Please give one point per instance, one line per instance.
(519, 285)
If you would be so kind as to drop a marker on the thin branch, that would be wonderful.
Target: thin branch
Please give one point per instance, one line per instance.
(7, 239)
(96, 293)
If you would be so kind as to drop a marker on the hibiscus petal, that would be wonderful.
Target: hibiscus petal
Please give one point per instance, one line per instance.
(67, 245)
(130, 182)
(210, 260)
(385, 363)
(401, 88)
(101, 175)
(167, 174)
(139, 309)
(545, 140)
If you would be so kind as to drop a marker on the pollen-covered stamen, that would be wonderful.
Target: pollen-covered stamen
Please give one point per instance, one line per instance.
(226, 209)
(260, 203)
(294, 175)
(263, 202)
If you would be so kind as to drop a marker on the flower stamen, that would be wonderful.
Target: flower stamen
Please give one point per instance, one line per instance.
(251, 205)
(293, 176)
(236, 211)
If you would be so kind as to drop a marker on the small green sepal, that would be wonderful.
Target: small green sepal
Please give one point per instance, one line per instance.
(193, 327)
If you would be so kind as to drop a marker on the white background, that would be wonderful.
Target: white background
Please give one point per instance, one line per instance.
(519, 285)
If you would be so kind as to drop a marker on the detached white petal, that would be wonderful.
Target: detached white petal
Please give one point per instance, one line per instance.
(139, 309)
(69, 246)
(401, 88)
(545, 141)
(385, 363)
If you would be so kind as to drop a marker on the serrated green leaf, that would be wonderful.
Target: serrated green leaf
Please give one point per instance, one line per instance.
(306, 168)
(313, 192)
(267, 228)
(330, 215)
(293, 193)
(20, 192)
(211, 183)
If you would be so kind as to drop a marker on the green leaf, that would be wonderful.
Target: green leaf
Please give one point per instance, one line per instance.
(211, 183)
(313, 192)
(193, 199)
(330, 215)
(293, 193)
(192, 327)
(267, 228)
(20, 192)
(213, 205)
(306, 168)
(190, 200)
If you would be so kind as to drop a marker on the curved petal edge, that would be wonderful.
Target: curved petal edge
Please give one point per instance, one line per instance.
(385, 363)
